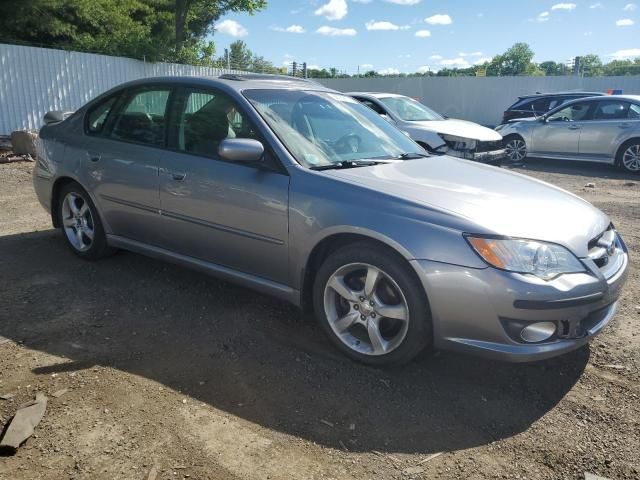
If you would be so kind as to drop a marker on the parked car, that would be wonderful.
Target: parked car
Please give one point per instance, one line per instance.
(596, 129)
(434, 132)
(302, 192)
(540, 103)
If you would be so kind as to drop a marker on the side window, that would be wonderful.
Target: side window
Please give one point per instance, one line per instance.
(634, 112)
(142, 118)
(373, 106)
(611, 110)
(204, 118)
(97, 116)
(573, 113)
(540, 105)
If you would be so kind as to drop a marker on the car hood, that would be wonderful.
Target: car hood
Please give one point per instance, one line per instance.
(492, 200)
(459, 128)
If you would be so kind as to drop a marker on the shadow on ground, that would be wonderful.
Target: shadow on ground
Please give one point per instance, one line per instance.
(582, 169)
(257, 357)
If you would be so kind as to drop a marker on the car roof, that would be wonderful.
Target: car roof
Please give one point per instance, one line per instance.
(373, 94)
(237, 82)
(603, 98)
(562, 94)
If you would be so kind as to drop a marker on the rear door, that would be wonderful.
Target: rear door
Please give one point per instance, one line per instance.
(600, 136)
(559, 135)
(122, 159)
(231, 214)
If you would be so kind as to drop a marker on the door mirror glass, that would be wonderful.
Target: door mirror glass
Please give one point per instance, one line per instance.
(244, 150)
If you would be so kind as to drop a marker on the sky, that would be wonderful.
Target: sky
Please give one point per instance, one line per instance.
(393, 36)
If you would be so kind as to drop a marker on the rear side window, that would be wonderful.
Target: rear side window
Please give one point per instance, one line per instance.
(611, 110)
(142, 117)
(634, 112)
(98, 115)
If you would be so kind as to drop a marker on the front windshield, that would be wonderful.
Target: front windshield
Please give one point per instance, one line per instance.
(409, 109)
(324, 128)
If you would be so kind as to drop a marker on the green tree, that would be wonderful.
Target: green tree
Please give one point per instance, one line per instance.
(553, 68)
(591, 66)
(239, 56)
(514, 61)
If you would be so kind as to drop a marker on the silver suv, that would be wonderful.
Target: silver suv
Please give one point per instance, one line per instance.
(304, 193)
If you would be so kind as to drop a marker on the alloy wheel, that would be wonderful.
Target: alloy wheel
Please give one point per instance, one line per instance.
(77, 221)
(631, 158)
(516, 150)
(366, 309)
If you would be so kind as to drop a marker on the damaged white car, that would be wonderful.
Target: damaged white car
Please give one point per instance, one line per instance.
(435, 132)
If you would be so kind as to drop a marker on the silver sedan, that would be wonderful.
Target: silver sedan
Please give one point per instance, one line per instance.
(304, 193)
(596, 129)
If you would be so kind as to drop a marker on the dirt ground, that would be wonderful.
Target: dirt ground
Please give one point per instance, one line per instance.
(172, 374)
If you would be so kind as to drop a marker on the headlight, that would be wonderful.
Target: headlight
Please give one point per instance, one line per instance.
(458, 143)
(542, 259)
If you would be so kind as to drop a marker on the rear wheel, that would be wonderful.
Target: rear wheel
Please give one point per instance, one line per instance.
(81, 224)
(371, 306)
(515, 148)
(629, 156)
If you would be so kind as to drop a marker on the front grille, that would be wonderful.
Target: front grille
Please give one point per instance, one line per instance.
(482, 147)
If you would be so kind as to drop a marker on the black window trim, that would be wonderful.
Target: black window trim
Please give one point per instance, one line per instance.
(97, 104)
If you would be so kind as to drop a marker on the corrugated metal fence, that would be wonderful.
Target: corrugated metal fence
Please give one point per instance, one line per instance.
(480, 99)
(36, 80)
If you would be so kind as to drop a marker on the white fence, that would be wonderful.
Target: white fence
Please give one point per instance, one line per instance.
(36, 80)
(480, 99)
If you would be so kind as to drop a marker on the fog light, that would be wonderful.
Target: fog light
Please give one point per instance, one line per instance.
(538, 332)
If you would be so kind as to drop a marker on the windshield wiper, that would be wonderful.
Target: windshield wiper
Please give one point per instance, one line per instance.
(349, 164)
(410, 155)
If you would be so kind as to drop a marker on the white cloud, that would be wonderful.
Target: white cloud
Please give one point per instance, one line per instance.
(454, 62)
(472, 54)
(627, 54)
(384, 25)
(290, 29)
(439, 19)
(436, 57)
(404, 2)
(596, 5)
(389, 71)
(624, 22)
(564, 6)
(361, 1)
(630, 7)
(482, 60)
(423, 33)
(336, 32)
(367, 66)
(334, 10)
(543, 17)
(231, 27)
(424, 69)
(314, 67)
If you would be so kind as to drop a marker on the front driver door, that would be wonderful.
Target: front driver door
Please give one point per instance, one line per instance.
(559, 135)
(231, 214)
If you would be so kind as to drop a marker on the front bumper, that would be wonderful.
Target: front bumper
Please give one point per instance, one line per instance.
(475, 310)
(484, 157)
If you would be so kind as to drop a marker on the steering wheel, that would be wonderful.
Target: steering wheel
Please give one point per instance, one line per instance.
(348, 143)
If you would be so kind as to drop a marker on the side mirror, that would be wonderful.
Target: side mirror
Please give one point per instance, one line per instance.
(55, 116)
(244, 150)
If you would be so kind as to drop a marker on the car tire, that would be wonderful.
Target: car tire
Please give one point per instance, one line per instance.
(81, 224)
(516, 148)
(371, 305)
(628, 157)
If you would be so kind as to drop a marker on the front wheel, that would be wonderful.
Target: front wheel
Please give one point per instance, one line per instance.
(515, 148)
(629, 156)
(371, 306)
(81, 224)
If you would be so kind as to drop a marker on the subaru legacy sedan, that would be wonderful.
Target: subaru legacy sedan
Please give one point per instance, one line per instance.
(299, 191)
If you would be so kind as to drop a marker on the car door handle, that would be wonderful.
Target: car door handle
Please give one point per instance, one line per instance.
(574, 127)
(178, 176)
(94, 157)
(624, 125)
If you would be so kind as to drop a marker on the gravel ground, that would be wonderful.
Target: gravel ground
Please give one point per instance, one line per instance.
(171, 374)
